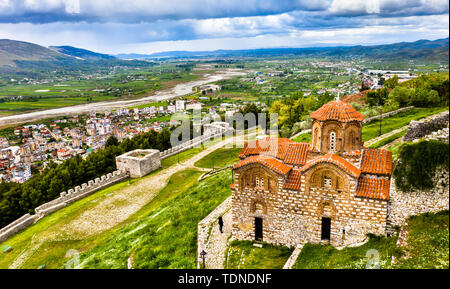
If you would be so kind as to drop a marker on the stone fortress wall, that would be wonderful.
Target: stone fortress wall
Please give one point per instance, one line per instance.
(148, 163)
(402, 205)
(420, 129)
(65, 199)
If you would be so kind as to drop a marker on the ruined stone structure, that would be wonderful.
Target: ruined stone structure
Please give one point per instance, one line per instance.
(139, 162)
(419, 129)
(333, 190)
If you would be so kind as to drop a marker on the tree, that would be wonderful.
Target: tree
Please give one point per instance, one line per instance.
(401, 96)
(112, 141)
(391, 82)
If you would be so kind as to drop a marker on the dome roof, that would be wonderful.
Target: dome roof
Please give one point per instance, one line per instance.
(337, 110)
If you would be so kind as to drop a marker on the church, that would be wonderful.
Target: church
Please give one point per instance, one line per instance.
(331, 191)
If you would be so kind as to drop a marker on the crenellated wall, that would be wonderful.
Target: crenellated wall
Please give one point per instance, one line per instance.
(65, 199)
(191, 143)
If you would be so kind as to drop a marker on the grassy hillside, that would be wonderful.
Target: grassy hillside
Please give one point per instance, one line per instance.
(11, 50)
(243, 255)
(81, 53)
(220, 158)
(428, 247)
(162, 234)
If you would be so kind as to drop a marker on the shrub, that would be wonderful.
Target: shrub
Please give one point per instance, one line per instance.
(418, 163)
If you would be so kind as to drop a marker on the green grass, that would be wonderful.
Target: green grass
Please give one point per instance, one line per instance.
(372, 129)
(428, 247)
(428, 242)
(243, 255)
(306, 137)
(219, 158)
(394, 149)
(52, 253)
(22, 240)
(315, 256)
(173, 160)
(165, 237)
(389, 139)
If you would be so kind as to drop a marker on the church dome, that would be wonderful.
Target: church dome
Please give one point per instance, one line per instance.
(337, 110)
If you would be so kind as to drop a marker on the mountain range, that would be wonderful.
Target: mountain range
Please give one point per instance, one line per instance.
(16, 55)
(421, 49)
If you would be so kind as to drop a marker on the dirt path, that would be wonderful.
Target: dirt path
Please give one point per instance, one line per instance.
(115, 208)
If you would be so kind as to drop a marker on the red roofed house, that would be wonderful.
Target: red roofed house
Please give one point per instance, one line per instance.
(332, 191)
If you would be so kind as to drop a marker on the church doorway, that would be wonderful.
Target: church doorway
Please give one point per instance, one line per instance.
(326, 229)
(258, 229)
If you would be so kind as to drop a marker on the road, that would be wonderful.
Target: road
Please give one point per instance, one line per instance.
(177, 91)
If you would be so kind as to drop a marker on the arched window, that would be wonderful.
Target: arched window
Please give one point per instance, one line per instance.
(327, 182)
(332, 141)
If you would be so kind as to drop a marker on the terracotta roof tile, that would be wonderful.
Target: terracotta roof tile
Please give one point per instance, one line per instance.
(373, 188)
(376, 161)
(293, 182)
(269, 162)
(337, 110)
(297, 153)
(275, 147)
(336, 160)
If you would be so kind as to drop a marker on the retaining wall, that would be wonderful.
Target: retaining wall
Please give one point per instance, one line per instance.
(420, 129)
(387, 114)
(402, 205)
(203, 228)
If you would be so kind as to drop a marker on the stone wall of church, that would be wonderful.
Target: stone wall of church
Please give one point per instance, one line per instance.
(293, 217)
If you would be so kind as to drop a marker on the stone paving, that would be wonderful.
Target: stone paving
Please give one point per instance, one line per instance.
(291, 261)
(218, 243)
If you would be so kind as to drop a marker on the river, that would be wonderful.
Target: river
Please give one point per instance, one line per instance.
(176, 91)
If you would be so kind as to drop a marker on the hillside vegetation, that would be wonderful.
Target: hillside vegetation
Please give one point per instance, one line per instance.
(428, 247)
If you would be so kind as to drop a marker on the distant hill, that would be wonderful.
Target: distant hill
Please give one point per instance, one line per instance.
(19, 59)
(12, 51)
(80, 53)
(423, 49)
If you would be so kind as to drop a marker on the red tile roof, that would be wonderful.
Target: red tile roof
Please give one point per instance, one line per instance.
(275, 147)
(297, 153)
(336, 160)
(337, 110)
(269, 162)
(376, 161)
(373, 188)
(293, 182)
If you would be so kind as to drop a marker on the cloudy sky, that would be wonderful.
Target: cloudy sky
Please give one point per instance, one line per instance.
(146, 26)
